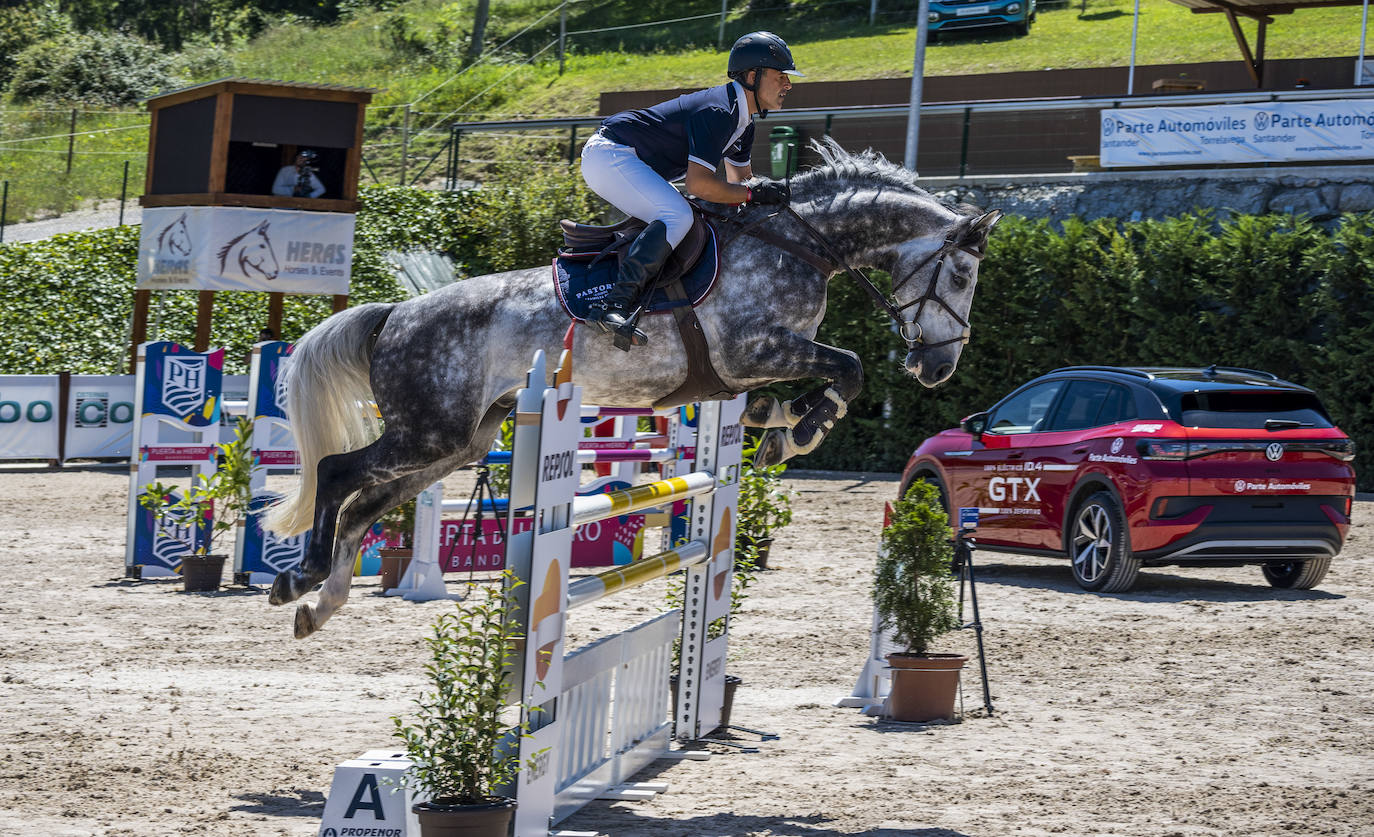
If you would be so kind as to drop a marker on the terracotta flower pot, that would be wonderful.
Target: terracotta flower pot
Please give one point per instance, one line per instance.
(761, 544)
(923, 686)
(481, 819)
(202, 573)
(394, 564)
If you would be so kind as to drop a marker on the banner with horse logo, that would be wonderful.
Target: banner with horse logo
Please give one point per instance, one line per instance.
(234, 248)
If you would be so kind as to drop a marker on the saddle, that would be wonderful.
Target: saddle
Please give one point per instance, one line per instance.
(589, 259)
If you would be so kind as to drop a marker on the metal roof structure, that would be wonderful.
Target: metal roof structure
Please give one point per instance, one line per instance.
(1262, 12)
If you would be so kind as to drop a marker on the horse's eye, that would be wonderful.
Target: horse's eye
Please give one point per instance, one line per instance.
(960, 281)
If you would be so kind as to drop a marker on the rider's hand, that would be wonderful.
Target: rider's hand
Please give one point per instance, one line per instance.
(769, 192)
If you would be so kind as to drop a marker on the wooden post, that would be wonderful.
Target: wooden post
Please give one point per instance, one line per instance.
(340, 302)
(139, 332)
(274, 305)
(205, 309)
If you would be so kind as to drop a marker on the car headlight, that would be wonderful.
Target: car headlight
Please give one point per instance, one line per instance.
(1013, 8)
(933, 17)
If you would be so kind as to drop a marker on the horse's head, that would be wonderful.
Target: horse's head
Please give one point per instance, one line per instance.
(933, 280)
(877, 215)
(255, 254)
(175, 238)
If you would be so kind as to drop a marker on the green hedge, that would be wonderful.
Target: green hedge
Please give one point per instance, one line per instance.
(1269, 292)
(69, 299)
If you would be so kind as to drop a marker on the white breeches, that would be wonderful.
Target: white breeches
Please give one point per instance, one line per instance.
(617, 174)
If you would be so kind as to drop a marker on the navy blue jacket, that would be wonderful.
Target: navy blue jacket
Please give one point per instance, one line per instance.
(703, 127)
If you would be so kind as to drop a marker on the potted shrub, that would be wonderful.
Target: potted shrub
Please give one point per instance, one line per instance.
(765, 505)
(398, 526)
(913, 592)
(217, 502)
(455, 740)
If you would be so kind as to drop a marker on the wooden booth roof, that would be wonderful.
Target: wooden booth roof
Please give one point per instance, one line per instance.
(1258, 8)
(263, 87)
(1262, 12)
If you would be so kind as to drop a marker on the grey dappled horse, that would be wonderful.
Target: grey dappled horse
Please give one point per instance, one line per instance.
(444, 368)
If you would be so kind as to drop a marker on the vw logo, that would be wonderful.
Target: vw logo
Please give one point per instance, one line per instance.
(1262, 121)
(1240, 486)
(1108, 126)
(1274, 452)
(1117, 443)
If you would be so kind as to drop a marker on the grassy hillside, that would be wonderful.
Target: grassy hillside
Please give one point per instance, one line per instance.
(413, 53)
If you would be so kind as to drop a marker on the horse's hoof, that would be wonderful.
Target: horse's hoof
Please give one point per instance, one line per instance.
(282, 593)
(759, 411)
(305, 622)
(772, 449)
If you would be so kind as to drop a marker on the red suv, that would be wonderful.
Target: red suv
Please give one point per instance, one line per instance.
(1118, 468)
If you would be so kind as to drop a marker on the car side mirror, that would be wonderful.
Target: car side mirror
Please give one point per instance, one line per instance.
(975, 424)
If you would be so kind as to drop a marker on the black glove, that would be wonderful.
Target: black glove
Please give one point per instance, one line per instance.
(770, 192)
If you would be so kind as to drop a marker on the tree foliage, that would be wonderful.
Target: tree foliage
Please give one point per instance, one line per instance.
(111, 69)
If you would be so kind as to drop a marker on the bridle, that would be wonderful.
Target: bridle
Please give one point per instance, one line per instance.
(909, 329)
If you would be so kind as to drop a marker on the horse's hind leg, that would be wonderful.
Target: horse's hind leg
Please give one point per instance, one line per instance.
(364, 510)
(387, 486)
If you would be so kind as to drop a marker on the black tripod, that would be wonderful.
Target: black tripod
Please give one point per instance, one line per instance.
(964, 545)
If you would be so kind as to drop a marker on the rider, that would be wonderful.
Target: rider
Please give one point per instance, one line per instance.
(636, 154)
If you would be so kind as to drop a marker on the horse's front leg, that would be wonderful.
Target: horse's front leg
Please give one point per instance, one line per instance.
(800, 425)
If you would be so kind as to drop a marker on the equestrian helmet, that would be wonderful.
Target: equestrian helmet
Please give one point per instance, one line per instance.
(761, 49)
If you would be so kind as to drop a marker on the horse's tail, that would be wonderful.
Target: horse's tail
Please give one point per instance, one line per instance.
(327, 394)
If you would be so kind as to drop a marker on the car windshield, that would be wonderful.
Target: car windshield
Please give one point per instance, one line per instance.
(1025, 411)
(1252, 410)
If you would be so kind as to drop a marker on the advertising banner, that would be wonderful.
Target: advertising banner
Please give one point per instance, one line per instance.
(100, 417)
(1267, 132)
(28, 417)
(235, 248)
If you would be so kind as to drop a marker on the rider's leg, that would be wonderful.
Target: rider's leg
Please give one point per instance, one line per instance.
(617, 174)
(640, 264)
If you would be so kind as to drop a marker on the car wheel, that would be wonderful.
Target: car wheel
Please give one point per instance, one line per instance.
(1297, 575)
(1022, 28)
(1099, 547)
(939, 486)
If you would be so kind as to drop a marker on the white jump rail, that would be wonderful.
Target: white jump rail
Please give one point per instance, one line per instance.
(602, 711)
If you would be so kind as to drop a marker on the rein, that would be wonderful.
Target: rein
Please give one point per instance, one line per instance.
(833, 262)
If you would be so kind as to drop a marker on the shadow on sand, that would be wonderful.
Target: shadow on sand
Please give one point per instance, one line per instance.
(1153, 585)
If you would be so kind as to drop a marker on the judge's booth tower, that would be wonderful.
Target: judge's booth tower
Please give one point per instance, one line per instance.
(211, 223)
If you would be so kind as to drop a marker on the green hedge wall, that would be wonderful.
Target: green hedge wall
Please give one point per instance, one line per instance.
(1267, 292)
(1270, 292)
(69, 299)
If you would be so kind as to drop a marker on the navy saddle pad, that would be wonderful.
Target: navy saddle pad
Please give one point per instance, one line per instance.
(579, 282)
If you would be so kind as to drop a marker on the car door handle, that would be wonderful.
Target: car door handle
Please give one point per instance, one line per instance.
(1083, 449)
(1014, 454)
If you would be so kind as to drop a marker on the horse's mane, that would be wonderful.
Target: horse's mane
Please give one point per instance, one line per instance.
(866, 168)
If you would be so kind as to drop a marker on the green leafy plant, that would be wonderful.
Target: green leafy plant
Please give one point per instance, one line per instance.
(220, 499)
(913, 590)
(765, 504)
(455, 739)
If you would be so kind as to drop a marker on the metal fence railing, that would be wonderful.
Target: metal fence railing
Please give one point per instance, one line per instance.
(1022, 136)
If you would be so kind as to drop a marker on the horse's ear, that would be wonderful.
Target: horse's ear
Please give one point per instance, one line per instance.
(977, 234)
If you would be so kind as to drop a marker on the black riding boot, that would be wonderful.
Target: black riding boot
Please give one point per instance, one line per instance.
(640, 265)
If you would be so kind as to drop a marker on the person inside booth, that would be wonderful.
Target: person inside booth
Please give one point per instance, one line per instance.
(299, 179)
